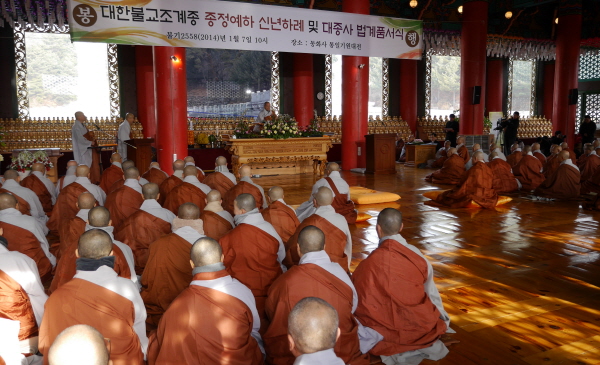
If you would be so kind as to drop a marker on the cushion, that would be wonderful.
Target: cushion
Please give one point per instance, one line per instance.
(360, 195)
(434, 194)
(363, 217)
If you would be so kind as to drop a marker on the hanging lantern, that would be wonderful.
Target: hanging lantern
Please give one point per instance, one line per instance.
(508, 14)
(460, 9)
(413, 3)
(556, 21)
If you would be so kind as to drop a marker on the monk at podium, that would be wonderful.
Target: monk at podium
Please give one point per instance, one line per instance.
(217, 221)
(83, 139)
(41, 186)
(265, 115)
(155, 174)
(124, 134)
(221, 180)
(172, 181)
(280, 215)
(127, 199)
(191, 190)
(451, 172)
(112, 174)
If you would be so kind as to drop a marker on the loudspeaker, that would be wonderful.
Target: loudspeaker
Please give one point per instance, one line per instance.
(476, 94)
(573, 95)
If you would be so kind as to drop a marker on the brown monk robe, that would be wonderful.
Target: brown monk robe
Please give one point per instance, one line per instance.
(243, 187)
(168, 270)
(581, 160)
(44, 190)
(592, 163)
(172, 181)
(76, 340)
(537, 153)
(189, 161)
(23, 207)
(515, 156)
(316, 276)
(476, 186)
(341, 202)
(217, 222)
(451, 172)
(69, 176)
(552, 161)
(592, 184)
(189, 191)
(213, 319)
(99, 298)
(572, 154)
(112, 174)
(462, 150)
(121, 181)
(66, 203)
(126, 200)
(443, 156)
(145, 226)
(504, 180)
(281, 216)
(529, 171)
(221, 180)
(564, 183)
(155, 174)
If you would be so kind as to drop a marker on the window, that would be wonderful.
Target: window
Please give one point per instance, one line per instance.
(375, 86)
(336, 84)
(522, 76)
(445, 85)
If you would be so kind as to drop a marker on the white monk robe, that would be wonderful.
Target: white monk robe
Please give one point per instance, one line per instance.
(262, 191)
(325, 357)
(81, 153)
(225, 171)
(469, 164)
(134, 184)
(230, 286)
(189, 234)
(307, 208)
(127, 253)
(500, 154)
(35, 206)
(23, 270)
(123, 135)
(328, 212)
(143, 181)
(95, 190)
(193, 164)
(48, 184)
(152, 207)
(67, 179)
(216, 208)
(14, 217)
(194, 181)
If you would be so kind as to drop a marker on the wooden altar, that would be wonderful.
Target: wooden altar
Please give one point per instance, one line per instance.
(280, 156)
(419, 153)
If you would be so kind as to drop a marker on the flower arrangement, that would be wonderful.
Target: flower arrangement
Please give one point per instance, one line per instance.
(202, 138)
(312, 130)
(26, 159)
(281, 128)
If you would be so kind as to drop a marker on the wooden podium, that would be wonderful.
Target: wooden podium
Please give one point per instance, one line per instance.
(381, 153)
(142, 154)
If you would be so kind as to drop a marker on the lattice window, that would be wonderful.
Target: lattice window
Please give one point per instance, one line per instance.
(589, 66)
(592, 106)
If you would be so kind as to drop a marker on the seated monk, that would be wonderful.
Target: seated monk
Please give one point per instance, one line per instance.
(127, 164)
(221, 180)
(168, 270)
(398, 274)
(582, 158)
(145, 226)
(25, 235)
(224, 331)
(341, 192)
(552, 161)
(462, 150)
(22, 305)
(504, 180)
(451, 172)
(338, 241)
(529, 171)
(476, 147)
(189, 161)
(589, 167)
(515, 156)
(281, 216)
(217, 221)
(498, 149)
(68, 178)
(440, 156)
(476, 185)
(245, 186)
(402, 157)
(172, 181)
(537, 153)
(189, 191)
(315, 276)
(253, 250)
(112, 174)
(127, 199)
(41, 186)
(564, 183)
(99, 298)
(26, 198)
(76, 343)
(155, 174)
(313, 330)
(572, 154)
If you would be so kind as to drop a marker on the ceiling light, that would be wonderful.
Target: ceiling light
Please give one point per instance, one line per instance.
(413, 3)
(556, 20)
(174, 58)
(508, 14)
(460, 9)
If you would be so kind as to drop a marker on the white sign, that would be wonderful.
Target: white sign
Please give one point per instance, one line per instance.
(234, 25)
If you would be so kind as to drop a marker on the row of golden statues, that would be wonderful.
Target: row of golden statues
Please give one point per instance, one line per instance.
(529, 127)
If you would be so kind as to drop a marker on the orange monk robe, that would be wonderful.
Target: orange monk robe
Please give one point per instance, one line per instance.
(592, 184)
(563, 184)
(110, 176)
(36, 185)
(581, 160)
(504, 180)
(450, 173)
(24, 206)
(514, 158)
(540, 156)
(440, 161)
(116, 185)
(155, 176)
(220, 182)
(551, 165)
(16, 306)
(218, 333)
(138, 232)
(27, 243)
(185, 193)
(242, 187)
(72, 230)
(529, 172)
(214, 225)
(166, 186)
(464, 153)
(310, 280)
(66, 206)
(592, 163)
(476, 186)
(122, 203)
(342, 204)
(283, 218)
(572, 154)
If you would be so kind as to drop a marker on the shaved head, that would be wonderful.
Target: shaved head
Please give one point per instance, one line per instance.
(313, 325)
(564, 155)
(206, 251)
(11, 175)
(39, 167)
(311, 239)
(86, 201)
(155, 164)
(131, 173)
(221, 161)
(514, 147)
(390, 221)
(7, 201)
(127, 164)
(452, 151)
(333, 166)
(447, 144)
(82, 171)
(557, 149)
(190, 171)
(478, 156)
(71, 163)
(476, 147)
(99, 217)
(493, 154)
(213, 196)
(276, 193)
(79, 345)
(589, 147)
(245, 202)
(188, 211)
(115, 157)
(460, 140)
(324, 196)
(245, 171)
(535, 146)
(188, 159)
(94, 244)
(150, 191)
(178, 165)
(564, 145)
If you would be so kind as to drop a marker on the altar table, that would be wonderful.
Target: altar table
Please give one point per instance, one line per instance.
(419, 153)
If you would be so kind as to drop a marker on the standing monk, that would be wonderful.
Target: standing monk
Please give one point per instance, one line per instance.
(221, 180)
(41, 186)
(217, 221)
(411, 324)
(173, 180)
(98, 297)
(591, 164)
(245, 186)
(224, 331)
(145, 226)
(529, 171)
(564, 183)
(81, 141)
(124, 134)
(515, 156)
(68, 178)
(280, 215)
(190, 191)
(126, 200)
(112, 174)
(504, 180)
(189, 161)
(451, 172)
(155, 174)
(25, 196)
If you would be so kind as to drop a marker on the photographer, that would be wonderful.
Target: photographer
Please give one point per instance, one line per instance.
(452, 129)
(587, 130)
(511, 128)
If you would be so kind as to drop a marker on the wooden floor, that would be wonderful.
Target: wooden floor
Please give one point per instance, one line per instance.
(521, 283)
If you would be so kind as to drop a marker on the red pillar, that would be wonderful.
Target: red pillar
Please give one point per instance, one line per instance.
(146, 99)
(494, 86)
(472, 66)
(408, 93)
(304, 103)
(355, 98)
(171, 105)
(548, 89)
(567, 66)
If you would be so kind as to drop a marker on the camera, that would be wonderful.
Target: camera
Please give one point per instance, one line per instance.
(501, 124)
